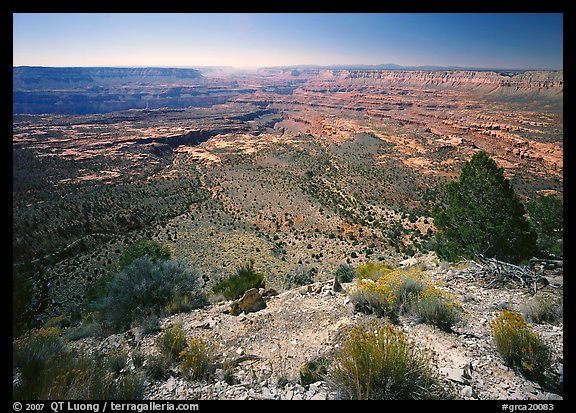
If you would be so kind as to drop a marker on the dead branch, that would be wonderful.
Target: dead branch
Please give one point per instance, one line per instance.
(547, 264)
(500, 274)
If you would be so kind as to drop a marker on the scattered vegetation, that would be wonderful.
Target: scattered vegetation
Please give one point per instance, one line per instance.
(69, 231)
(244, 279)
(379, 363)
(520, 347)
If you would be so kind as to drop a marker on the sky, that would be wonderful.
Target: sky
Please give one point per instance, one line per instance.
(503, 41)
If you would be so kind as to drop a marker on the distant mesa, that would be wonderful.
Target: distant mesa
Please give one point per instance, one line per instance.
(85, 90)
(37, 77)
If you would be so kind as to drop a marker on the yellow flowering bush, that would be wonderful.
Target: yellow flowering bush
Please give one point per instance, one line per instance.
(520, 347)
(387, 295)
(196, 360)
(378, 362)
(399, 291)
(172, 341)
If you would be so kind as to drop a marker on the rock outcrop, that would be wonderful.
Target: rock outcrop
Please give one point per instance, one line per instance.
(250, 302)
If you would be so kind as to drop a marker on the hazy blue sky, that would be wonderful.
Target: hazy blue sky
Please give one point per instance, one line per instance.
(512, 41)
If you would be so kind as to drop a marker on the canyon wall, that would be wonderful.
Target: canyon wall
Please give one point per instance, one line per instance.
(546, 83)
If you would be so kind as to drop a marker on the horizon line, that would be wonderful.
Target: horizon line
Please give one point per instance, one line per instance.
(355, 66)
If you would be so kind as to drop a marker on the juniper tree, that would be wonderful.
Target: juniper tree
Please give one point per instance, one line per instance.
(546, 218)
(481, 215)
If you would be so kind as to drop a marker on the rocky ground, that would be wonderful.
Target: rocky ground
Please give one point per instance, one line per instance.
(298, 325)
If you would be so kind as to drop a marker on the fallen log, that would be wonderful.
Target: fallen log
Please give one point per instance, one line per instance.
(548, 264)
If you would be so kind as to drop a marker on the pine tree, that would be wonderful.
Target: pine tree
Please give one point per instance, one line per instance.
(481, 215)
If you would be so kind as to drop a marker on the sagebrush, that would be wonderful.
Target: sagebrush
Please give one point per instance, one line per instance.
(145, 287)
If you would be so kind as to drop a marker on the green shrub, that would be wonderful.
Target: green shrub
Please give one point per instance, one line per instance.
(149, 325)
(32, 354)
(520, 347)
(172, 341)
(298, 276)
(196, 361)
(84, 378)
(22, 295)
(180, 303)
(244, 279)
(59, 322)
(158, 367)
(81, 378)
(116, 360)
(130, 387)
(138, 358)
(228, 372)
(34, 348)
(543, 309)
(313, 371)
(379, 363)
(401, 291)
(153, 249)
(435, 307)
(345, 273)
(86, 329)
(145, 287)
(411, 286)
(49, 371)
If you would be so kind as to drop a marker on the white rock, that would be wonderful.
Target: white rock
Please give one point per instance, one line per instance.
(319, 396)
(467, 392)
(170, 384)
(266, 393)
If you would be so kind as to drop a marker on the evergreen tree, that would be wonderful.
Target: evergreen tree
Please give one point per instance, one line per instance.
(481, 215)
(547, 220)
